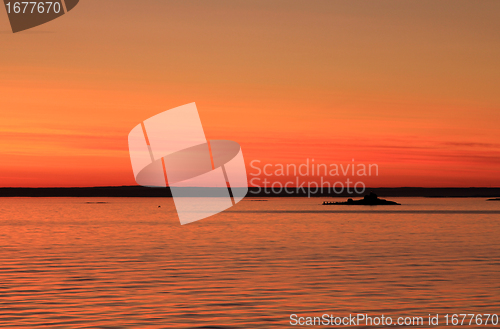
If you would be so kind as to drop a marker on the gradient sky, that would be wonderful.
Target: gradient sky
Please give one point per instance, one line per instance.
(412, 86)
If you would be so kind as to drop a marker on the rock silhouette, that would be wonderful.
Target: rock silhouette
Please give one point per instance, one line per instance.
(369, 200)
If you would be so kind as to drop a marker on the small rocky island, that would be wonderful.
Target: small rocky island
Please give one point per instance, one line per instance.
(497, 199)
(369, 200)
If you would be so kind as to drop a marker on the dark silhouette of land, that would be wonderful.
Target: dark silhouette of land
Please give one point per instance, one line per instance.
(497, 199)
(140, 191)
(369, 200)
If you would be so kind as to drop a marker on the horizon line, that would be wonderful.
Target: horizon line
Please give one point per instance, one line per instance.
(262, 187)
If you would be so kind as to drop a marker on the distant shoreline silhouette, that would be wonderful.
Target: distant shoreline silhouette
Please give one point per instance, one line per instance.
(140, 191)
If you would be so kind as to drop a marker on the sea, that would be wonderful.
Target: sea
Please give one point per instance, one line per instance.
(264, 263)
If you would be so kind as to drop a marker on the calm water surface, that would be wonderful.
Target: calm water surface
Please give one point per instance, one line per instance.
(66, 263)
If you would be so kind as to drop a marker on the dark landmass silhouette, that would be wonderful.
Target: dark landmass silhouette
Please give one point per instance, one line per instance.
(255, 192)
(497, 199)
(369, 200)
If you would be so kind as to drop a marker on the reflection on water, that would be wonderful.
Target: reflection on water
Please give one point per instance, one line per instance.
(74, 263)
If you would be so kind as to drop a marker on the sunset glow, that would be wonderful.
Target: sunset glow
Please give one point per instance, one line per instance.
(411, 89)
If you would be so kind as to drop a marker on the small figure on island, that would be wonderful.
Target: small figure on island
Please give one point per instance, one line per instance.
(369, 200)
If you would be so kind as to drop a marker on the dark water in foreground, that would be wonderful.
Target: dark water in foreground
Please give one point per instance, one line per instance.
(65, 263)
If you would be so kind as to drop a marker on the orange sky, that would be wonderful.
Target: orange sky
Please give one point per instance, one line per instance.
(409, 85)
